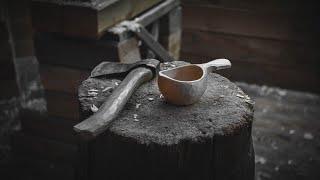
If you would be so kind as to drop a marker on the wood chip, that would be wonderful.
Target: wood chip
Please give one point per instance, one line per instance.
(135, 116)
(240, 96)
(292, 131)
(107, 89)
(260, 159)
(92, 93)
(93, 90)
(94, 108)
(308, 136)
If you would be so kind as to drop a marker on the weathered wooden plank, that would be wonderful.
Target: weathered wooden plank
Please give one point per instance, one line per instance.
(150, 42)
(278, 25)
(262, 5)
(89, 20)
(171, 31)
(74, 52)
(62, 79)
(249, 49)
(128, 50)
(296, 78)
(7, 68)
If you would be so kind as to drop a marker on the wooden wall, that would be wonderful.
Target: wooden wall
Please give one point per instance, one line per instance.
(269, 42)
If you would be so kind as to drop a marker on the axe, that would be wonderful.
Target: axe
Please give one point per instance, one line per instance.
(135, 75)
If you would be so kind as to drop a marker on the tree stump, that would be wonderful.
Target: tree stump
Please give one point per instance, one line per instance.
(152, 139)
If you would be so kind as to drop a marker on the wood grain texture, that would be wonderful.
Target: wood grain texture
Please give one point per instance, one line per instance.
(276, 25)
(252, 5)
(153, 45)
(295, 78)
(269, 42)
(250, 49)
(171, 32)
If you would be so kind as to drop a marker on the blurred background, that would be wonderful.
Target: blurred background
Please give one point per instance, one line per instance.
(47, 48)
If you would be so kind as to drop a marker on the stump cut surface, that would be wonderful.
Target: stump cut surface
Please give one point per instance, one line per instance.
(222, 111)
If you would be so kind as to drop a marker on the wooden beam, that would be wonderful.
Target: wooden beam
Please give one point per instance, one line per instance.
(157, 12)
(151, 43)
(145, 19)
(268, 25)
(171, 31)
(78, 18)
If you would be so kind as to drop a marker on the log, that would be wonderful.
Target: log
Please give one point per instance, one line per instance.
(152, 139)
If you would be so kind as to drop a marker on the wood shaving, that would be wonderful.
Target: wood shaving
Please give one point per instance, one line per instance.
(93, 90)
(107, 89)
(94, 108)
(92, 93)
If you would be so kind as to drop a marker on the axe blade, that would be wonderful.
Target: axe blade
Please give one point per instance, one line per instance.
(107, 68)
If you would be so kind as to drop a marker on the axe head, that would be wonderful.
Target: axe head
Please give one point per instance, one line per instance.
(112, 69)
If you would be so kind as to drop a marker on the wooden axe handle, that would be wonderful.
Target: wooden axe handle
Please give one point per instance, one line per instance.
(108, 111)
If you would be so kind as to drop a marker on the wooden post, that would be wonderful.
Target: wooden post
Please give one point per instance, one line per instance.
(170, 32)
(128, 50)
(152, 139)
(26, 64)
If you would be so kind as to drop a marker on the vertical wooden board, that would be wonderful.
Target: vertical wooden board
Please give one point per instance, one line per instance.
(171, 31)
